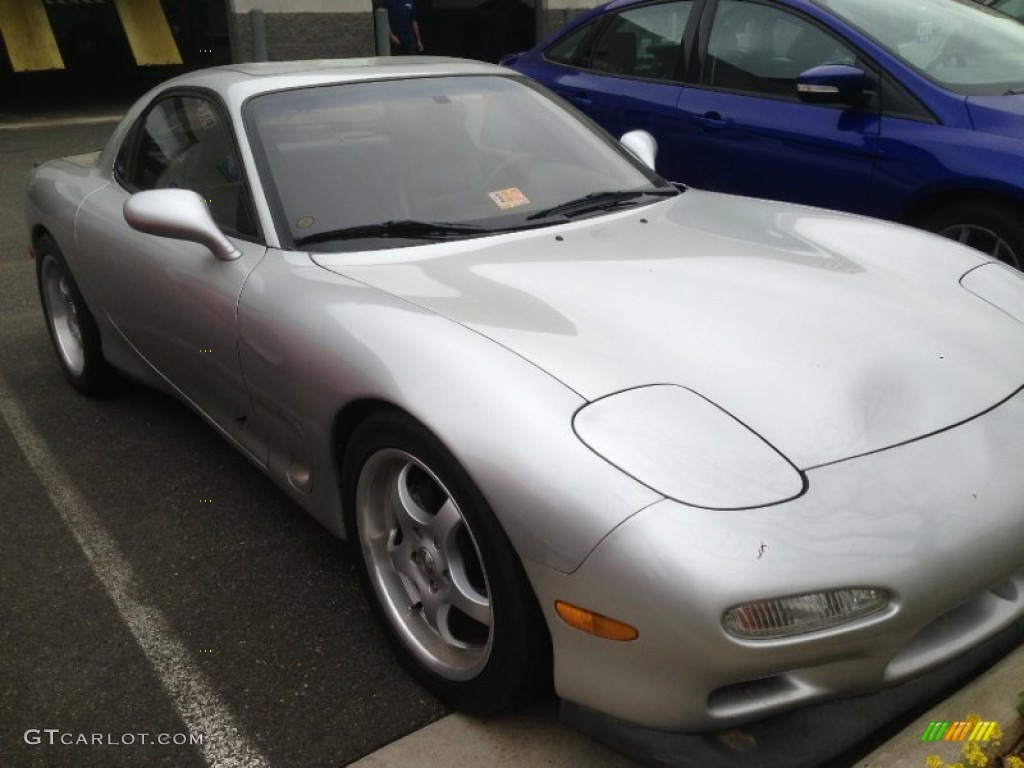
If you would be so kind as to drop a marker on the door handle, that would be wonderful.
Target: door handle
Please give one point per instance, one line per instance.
(711, 121)
(580, 97)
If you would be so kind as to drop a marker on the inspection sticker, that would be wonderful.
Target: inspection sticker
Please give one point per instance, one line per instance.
(508, 198)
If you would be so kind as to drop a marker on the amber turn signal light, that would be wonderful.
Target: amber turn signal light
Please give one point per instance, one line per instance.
(594, 623)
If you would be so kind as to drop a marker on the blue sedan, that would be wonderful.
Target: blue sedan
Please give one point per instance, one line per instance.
(906, 111)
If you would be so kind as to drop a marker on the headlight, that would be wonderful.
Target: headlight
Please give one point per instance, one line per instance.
(999, 285)
(785, 616)
(687, 448)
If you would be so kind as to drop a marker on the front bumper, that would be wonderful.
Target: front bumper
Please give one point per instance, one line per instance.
(805, 738)
(938, 523)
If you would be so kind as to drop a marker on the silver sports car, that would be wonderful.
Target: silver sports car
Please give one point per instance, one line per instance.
(699, 459)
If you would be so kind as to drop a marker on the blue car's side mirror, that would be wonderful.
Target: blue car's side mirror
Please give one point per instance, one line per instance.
(831, 84)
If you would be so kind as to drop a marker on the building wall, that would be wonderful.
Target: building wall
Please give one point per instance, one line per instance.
(304, 29)
(555, 13)
(321, 29)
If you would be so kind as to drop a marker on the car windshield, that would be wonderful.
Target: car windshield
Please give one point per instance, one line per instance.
(379, 164)
(1013, 8)
(957, 44)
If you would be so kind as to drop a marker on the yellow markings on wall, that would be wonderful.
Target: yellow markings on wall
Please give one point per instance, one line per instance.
(28, 36)
(149, 35)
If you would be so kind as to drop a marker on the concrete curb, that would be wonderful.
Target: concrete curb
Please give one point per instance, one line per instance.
(533, 738)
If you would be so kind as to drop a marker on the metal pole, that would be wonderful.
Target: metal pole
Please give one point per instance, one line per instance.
(382, 32)
(259, 35)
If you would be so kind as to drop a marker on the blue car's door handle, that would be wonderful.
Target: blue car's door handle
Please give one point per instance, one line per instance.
(579, 97)
(711, 121)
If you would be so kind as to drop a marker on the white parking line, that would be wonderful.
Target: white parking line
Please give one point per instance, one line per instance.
(224, 745)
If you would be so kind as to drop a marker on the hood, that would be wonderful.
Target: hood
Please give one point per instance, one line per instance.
(830, 335)
(1003, 115)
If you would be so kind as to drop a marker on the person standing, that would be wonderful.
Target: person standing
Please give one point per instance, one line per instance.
(405, 29)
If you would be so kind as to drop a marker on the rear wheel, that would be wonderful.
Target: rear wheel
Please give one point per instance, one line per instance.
(71, 326)
(441, 574)
(992, 227)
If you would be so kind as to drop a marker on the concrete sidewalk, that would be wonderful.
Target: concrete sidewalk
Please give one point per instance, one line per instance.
(993, 696)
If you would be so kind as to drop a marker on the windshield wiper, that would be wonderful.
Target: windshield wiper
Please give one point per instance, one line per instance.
(598, 201)
(404, 228)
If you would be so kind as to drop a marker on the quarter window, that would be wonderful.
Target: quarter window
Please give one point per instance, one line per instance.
(760, 49)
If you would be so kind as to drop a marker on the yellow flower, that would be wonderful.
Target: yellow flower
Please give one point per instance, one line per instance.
(973, 717)
(933, 761)
(1010, 762)
(976, 757)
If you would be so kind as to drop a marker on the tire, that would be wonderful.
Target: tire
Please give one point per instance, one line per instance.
(440, 573)
(990, 226)
(71, 326)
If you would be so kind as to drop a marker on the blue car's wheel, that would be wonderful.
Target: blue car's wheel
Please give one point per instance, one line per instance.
(989, 226)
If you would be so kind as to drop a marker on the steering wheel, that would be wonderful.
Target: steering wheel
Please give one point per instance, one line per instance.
(948, 56)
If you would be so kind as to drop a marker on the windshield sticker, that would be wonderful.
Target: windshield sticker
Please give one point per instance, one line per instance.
(924, 31)
(304, 221)
(508, 198)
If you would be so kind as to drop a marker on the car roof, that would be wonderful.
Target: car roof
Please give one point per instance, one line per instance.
(237, 82)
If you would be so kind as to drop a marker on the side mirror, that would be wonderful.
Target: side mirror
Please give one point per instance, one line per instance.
(643, 146)
(179, 214)
(831, 84)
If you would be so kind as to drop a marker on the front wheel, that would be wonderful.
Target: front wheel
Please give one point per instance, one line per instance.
(992, 227)
(441, 574)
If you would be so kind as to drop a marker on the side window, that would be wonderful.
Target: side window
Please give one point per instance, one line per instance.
(898, 102)
(643, 42)
(571, 49)
(761, 50)
(182, 142)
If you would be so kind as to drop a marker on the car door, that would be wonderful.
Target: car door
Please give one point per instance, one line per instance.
(622, 70)
(743, 128)
(172, 300)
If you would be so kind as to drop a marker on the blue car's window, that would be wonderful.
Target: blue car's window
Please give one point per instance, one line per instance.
(958, 44)
(644, 42)
(571, 49)
(759, 49)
